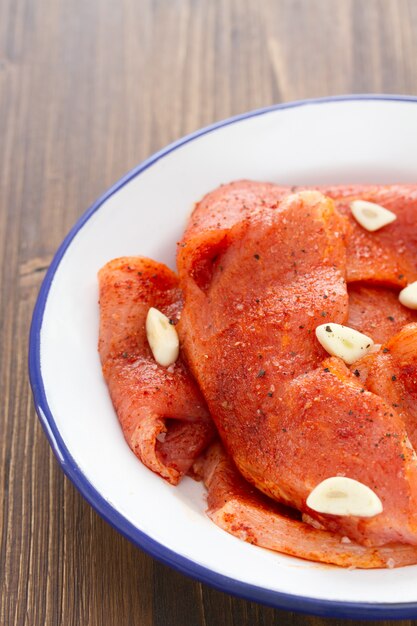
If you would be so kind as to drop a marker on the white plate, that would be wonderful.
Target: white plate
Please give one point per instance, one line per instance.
(341, 140)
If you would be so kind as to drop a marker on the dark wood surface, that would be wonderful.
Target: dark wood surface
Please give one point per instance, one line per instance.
(88, 88)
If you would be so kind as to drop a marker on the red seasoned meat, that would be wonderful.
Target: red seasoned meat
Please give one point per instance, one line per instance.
(254, 294)
(241, 510)
(385, 257)
(161, 411)
(377, 312)
(392, 374)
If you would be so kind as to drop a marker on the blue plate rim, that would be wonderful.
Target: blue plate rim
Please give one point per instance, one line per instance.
(279, 600)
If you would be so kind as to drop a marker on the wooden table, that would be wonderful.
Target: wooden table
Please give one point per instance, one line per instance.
(88, 88)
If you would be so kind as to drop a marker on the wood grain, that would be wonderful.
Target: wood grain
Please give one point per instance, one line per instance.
(87, 90)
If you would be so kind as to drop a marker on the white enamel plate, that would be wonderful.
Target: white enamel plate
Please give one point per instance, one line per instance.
(342, 140)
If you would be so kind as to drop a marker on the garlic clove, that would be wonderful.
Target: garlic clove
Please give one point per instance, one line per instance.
(408, 296)
(162, 338)
(344, 342)
(340, 495)
(371, 216)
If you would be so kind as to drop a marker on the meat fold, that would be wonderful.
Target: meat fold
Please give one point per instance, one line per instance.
(163, 416)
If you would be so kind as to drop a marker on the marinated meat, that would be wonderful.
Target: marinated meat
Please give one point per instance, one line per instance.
(163, 416)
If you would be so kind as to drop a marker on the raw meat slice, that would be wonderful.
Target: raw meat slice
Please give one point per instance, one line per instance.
(163, 416)
(387, 256)
(241, 510)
